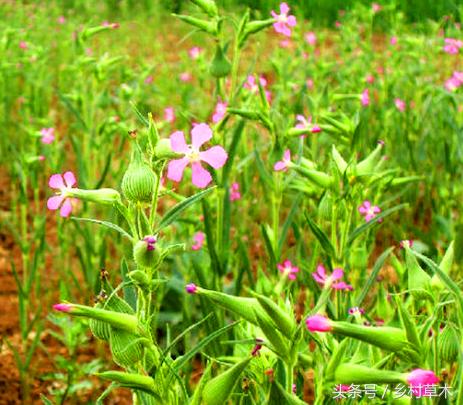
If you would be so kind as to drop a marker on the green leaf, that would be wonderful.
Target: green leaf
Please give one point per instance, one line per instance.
(322, 237)
(367, 225)
(374, 274)
(175, 211)
(140, 116)
(288, 222)
(107, 224)
(181, 361)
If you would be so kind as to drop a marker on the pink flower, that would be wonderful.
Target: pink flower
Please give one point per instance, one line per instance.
(253, 87)
(283, 20)
(454, 82)
(310, 38)
(328, 281)
(150, 242)
(338, 24)
(48, 135)
(418, 379)
(219, 112)
(406, 243)
(309, 83)
(61, 19)
(235, 192)
(149, 79)
(452, 46)
(370, 79)
(369, 211)
(63, 183)
(214, 156)
(199, 238)
(195, 52)
(306, 123)
(110, 25)
(185, 77)
(393, 40)
(318, 323)
(400, 104)
(282, 165)
(23, 45)
(169, 115)
(288, 269)
(285, 43)
(62, 307)
(365, 97)
(376, 7)
(191, 288)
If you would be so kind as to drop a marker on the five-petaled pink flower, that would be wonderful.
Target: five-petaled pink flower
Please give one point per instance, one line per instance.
(214, 156)
(321, 277)
(283, 22)
(62, 183)
(235, 192)
(369, 211)
(306, 123)
(284, 163)
(195, 52)
(288, 269)
(365, 97)
(419, 379)
(455, 81)
(452, 45)
(48, 135)
(199, 238)
(400, 104)
(169, 115)
(318, 323)
(310, 38)
(219, 112)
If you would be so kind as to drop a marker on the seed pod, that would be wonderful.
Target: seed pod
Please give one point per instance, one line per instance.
(355, 374)
(217, 390)
(448, 343)
(282, 320)
(126, 347)
(220, 65)
(139, 180)
(135, 381)
(100, 329)
(146, 253)
(325, 207)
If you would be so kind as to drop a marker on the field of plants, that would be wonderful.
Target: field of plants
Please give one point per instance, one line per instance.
(214, 203)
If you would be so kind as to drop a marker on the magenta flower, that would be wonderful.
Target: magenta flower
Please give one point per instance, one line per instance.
(199, 238)
(191, 288)
(23, 45)
(393, 40)
(310, 38)
(326, 281)
(150, 242)
(62, 307)
(214, 156)
(318, 323)
(406, 243)
(418, 379)
(370, 79)
(62, 183)
(110, 25)
(282, 165)
(400, 104)
(169, 115)
(149, 79)
(288, 269)
(452, 84)
(219, 112)
(365, 97)
(61, 19)
(452, 46)
(306, 123)
(284, 22)
(369, 211)
(376, 8)
(48, 135)
(309, 83)
(235, 192)
(195, 52)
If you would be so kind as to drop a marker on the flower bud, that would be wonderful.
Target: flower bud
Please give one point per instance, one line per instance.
(126, 347)
(448, 344)
(217, 390)
(355, 374)
(106, 196)
(318, 323)
(145, 253)
(220, 65)
(135, 381)
(139, 180)
(318, 178)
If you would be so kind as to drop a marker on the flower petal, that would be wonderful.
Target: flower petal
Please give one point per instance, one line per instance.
(69, 179)
(284, 8)
(291, 21)
(176, 167)
(337, 274)
(321, 271)
(66, 208)
(318, 279)
(56, 181)
(200, 134)
(215, 156)
(200, 176)
(280, 165)
(54, 202)
(287, 155)
(177, 142)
